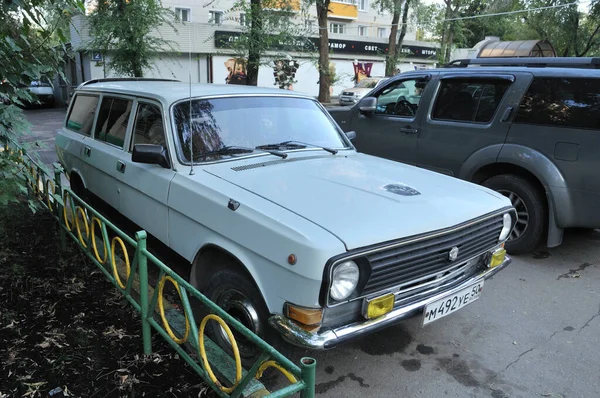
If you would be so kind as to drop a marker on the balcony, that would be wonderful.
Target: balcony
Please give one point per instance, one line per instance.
(343, 10)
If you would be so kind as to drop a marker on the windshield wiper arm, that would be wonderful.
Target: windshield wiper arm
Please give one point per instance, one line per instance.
(293, 143)
(231, 150)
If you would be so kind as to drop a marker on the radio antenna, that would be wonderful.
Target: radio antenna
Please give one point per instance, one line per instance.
(190, 95)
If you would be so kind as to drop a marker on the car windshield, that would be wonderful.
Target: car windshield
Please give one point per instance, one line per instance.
(251, 122)
(367, 83)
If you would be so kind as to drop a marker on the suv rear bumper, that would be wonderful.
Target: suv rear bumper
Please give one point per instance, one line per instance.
(330, 338)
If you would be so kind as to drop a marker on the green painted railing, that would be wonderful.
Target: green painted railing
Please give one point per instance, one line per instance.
(90, 230)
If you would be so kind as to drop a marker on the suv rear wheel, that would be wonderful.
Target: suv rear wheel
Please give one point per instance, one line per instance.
(531, 211)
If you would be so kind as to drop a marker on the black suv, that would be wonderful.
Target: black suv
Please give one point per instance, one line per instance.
(526, 127)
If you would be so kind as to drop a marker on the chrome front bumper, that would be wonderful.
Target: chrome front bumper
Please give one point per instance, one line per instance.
(330, 338)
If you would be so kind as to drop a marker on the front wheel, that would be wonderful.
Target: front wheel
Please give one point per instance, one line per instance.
(234, 292)
(532, 213)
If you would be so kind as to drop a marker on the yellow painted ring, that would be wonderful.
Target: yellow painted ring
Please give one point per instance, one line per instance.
(161, 308)
(49, 193)
(114, 262)
(100, 260)
(236, 353)
(38, 180)
(33, 178)
(66, 218)
(269, 364)
(78, 211)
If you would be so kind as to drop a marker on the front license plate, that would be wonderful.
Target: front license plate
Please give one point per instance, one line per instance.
(451, 303)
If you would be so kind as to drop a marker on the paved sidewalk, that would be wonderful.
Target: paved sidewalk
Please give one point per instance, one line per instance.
(44, 123)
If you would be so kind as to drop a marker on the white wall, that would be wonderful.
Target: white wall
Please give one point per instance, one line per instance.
(167, 67)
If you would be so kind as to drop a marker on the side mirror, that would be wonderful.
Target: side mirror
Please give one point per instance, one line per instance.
(351, 135)
(150, 154)
(368, 105)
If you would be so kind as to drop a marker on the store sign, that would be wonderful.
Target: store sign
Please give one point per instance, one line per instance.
(227, 39)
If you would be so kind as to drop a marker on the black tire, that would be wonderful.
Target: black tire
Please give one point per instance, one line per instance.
(532, 211)
(230, 279)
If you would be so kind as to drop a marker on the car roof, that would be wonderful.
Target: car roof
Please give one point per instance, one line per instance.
(172, 91)
(540, 71)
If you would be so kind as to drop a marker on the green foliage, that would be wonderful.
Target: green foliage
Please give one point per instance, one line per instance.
(32, 45)
(124, 29)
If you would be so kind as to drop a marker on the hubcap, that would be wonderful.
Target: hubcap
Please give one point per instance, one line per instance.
(240, 308)
(522, 214)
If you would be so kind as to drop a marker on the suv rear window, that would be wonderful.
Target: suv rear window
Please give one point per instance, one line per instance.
(467, 100)
(82, 114)
(559, 101)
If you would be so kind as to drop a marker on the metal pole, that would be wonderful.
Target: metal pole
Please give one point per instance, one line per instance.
(59, 209)
(308, 367)
(140, 237)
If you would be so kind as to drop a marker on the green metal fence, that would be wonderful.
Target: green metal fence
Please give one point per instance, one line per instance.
(90, 230)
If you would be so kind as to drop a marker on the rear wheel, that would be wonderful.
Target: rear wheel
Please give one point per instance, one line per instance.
(532, 213)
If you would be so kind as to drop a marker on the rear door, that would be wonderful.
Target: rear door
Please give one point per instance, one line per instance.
(470, 111)
(145, 187)
(391, 131)
(109, 139)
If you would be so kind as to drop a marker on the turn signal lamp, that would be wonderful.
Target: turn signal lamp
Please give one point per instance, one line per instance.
(497, 257)
(380, 306)
(306, 316)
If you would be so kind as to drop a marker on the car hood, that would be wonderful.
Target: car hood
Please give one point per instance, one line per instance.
(359, 198)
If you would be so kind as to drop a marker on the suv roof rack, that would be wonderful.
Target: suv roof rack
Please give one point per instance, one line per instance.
(126, 79)
(532, 62)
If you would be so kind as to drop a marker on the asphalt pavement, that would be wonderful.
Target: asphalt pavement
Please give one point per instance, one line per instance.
(535, 332)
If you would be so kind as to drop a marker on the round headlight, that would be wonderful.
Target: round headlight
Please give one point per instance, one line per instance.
(506, 226)
(344, 280)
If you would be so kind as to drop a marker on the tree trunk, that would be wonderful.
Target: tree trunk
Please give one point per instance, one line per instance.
(256, 27)
(445, 31)
(404, 27)
(391, 58)
(324, 72)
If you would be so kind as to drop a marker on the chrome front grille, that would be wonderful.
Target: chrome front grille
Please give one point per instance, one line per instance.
(416, 266)
(348, 93)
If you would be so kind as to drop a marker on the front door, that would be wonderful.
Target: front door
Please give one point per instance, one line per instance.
(391, 131)
(145, 187)
(471, 112)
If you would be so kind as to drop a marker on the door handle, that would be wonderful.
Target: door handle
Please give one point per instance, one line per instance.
(120, 166)
(507, 114)
(408, 130)
(87, 151)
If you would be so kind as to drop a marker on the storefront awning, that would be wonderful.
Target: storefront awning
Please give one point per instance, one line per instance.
(522, 48)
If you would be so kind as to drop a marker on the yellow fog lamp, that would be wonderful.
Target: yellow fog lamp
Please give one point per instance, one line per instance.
(497, 257)
(378, 306)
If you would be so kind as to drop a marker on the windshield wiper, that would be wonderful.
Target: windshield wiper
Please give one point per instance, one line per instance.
(296, 144)
(232, 150)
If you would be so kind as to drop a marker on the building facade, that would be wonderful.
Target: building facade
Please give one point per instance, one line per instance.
(358, 37)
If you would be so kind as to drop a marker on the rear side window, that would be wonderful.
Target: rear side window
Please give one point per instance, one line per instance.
(82, 114)
(113, 118)
(564, 102)
(467, 100)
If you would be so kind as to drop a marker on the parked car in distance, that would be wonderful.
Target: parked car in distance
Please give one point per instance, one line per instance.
(283, 223)
(525, 127)
(351, 96)
(43, 91)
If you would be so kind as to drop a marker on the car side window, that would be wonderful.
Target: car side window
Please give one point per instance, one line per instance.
(113, 118)
(149, 126)
(400, 98)
(558, 101)
(467, 100)
(81, 117)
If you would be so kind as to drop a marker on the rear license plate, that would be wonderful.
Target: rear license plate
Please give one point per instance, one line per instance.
(451, 303)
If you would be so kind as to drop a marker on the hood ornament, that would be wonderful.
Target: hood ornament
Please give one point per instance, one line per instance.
(401, 189)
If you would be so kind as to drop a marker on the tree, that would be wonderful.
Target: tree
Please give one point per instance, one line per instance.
(124, 29)
(267, 33)
(398, 8)
(325, 77)
(29, 51)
